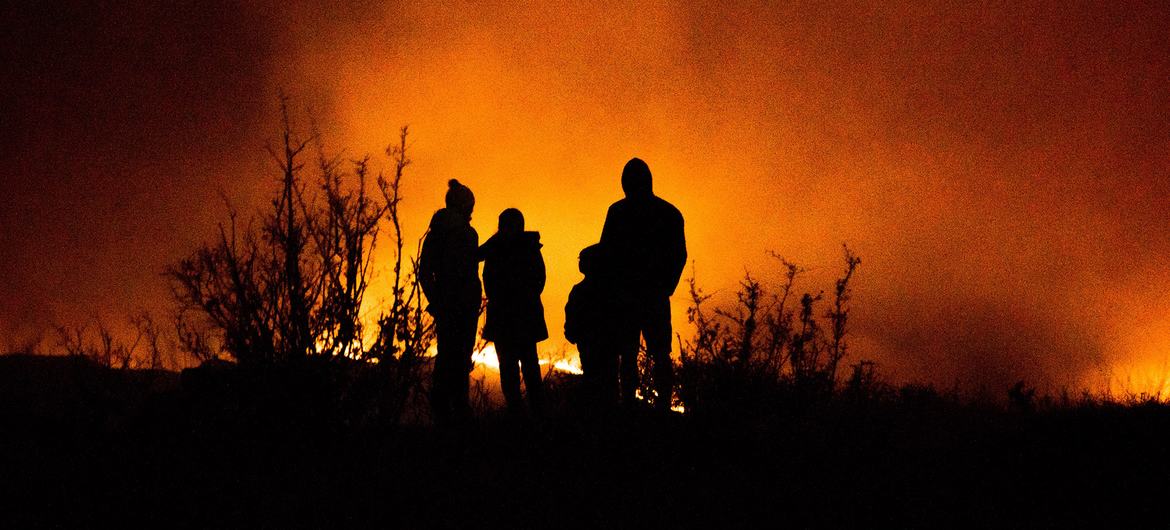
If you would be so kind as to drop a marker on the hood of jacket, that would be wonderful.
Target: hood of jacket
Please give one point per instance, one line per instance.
(500, 243)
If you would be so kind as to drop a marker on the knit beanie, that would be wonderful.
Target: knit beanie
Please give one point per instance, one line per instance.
(459, 197)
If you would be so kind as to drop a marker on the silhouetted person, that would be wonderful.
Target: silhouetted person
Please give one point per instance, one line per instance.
(645, 235)
(449, 274)
(589, 323)
(513, 278)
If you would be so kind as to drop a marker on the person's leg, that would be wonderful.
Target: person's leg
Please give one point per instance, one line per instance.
(533, 382)
(657, 330)
(588, 370)
(440, 373)
(625, 354)
(589, 373)
(509, 360)
(663, 379)
(464, 338)
(606, 385)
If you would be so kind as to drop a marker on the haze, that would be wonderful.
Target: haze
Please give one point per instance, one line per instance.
(1000, 168)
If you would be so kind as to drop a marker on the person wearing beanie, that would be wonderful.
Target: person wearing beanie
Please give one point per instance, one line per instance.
(459, 198)
(643, 234)
(513, 278)
(449, 275)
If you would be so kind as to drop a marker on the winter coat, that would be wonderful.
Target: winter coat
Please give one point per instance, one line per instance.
(513, 278)
(589, 313)
(645, 236)
(448, 269)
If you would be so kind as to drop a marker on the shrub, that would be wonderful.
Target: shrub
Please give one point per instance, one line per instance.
(762, 345)
(290, 284)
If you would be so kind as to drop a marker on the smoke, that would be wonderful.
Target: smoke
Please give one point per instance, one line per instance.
(1000, 169)
(121, 122)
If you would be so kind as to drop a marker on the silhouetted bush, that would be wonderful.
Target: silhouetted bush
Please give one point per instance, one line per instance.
(290, 285)
(764, 346)
(96, 341)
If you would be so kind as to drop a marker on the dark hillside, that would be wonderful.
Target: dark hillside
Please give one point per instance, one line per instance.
(134, 448)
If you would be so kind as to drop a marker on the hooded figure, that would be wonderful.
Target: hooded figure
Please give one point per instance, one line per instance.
(513, 278)
(449, 275)
(644, 236)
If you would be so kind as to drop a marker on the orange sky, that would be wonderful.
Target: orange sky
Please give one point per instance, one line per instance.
(1001, 169)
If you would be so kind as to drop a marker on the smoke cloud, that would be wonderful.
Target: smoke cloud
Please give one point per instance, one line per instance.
(1002, 170)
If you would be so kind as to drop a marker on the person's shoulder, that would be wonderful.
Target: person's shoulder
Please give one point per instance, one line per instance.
(531, 241)
(489, 248)
(578, 292)
(666, 207)
(437, 218)
(620, 205)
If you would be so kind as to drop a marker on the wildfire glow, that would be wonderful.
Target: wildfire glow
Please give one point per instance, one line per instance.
(487, 358)
(1149, 380)
(1001, 168)
(790, 135)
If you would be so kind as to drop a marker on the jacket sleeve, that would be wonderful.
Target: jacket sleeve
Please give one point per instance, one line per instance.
(427, 262)
(677, 254)
(469, 262)
(538, 273)
(610, 228)
(573, 317)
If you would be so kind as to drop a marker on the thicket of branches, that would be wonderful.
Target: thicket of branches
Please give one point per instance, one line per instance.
(289, 284)
(142, 348)
(768, 339)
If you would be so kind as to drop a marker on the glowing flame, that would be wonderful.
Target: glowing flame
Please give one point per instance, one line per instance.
(679, 408)
(1144, 381)
(487, 358)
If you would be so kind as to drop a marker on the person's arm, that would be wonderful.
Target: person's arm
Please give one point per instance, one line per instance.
(430, 261)
(469, 253)
(426, 265)
(609, 229)
(677, 254)
(573, 317)
(538, 273)
(481, 251)
(464, 249)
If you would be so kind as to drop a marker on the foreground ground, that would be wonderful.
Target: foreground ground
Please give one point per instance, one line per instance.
(82, 447)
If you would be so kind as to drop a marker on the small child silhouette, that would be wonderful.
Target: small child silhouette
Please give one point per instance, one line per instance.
(588, 325)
